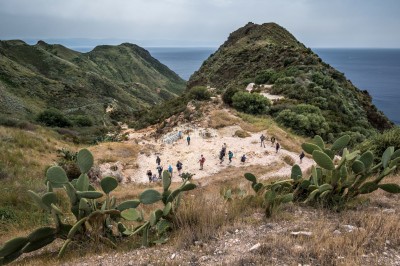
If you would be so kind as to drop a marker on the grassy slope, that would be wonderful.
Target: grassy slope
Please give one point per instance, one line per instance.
(40, 76)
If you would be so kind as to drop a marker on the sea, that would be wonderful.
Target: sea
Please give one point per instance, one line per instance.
(374, 70)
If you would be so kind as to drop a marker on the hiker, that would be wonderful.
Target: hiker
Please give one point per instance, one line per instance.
(273, 141)
(188, 140)
(301, 156)
(201, 161)
(149, 175)
(170, 170)
(159, 169)
(262, 138)
(221, 156)
(154, 178)
(158, 160)
(179, 134)
(243, 158)
(230, 156)
(277, 147)
(179, 167)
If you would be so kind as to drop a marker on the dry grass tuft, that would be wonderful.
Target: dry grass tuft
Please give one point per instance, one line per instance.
(241, 134)
(221, 118)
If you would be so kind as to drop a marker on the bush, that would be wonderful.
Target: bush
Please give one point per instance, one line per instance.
(200, 93)
(228, 94)
(264, 77)
(82, 121)
(304, 119)
(53, 118)
(379, 142)
(251, 103)
(241, 134)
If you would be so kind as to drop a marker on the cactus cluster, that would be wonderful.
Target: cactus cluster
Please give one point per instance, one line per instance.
(160, 219)
(96, 213)
(275, 194)
(334, 181)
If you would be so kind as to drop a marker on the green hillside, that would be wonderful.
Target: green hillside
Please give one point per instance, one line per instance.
(125, 77)
(318, 98)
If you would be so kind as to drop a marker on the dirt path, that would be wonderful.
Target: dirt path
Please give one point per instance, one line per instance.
(189, 155)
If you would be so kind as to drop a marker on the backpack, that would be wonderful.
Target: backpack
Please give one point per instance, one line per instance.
(243, 159)
(202, 160)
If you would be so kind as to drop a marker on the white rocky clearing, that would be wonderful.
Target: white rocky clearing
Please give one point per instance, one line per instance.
(209, 147)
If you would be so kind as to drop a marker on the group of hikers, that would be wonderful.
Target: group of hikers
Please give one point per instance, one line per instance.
(153, 177)
(273, 140)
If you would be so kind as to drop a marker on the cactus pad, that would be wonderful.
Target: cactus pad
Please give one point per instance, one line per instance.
(13, 245)
(340, 143)
(323, 160)
(319, 141)
(391, 188)
(310, 147)
(131, 215)
(250, 177)
(108, 184)
(56, 175)
(85, 160)
(296, 172)
(128, 204)
(150, 196)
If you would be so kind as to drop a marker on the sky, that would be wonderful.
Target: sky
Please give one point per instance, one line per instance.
(316, 23)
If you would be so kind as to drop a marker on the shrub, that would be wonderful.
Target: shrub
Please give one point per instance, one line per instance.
(228, 94)
(241, 134)
(304, 119)
(378, 142)
(251, 103)
(264, 76)
(53, 118)
(200, 93)
(82, 121)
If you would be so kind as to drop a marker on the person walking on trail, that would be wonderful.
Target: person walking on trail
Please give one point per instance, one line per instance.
(262, 139)
(188, 140)
(272, 141)
(170, 170)
(154, 178)
(179, 167)
(302, 156)
(277, 147)
(158, 160)
(221, 156)
(201, 161)
(149, 175)
(243, 158)
(159, 169)
(230, 156)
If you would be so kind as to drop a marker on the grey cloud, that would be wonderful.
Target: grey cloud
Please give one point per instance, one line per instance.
(335, 23)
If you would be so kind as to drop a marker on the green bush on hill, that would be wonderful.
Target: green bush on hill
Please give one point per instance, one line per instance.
(228, 94)
(53, 118)
(264, 76)
(304, 119)
(82, 121)
(199, 93)
(378, 142)
(251, 103)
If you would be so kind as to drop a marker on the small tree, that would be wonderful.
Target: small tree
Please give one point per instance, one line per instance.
(53, 118)
(251, 103)
(200, 93)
